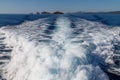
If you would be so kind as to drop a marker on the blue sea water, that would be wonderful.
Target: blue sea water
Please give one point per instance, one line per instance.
(108, 19)
(14, 19)
(72, 46)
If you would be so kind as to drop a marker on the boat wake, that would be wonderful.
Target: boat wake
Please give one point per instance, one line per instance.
(61, 48)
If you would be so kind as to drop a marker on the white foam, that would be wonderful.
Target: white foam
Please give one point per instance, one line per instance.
(59, 58)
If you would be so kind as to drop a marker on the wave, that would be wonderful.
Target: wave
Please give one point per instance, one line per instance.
(59, 48)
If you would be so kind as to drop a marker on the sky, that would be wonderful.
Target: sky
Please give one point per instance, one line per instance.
(29, 6)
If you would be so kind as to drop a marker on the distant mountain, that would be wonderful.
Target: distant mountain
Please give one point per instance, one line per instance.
(113, 12)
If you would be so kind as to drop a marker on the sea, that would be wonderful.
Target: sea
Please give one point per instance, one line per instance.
(71, 46)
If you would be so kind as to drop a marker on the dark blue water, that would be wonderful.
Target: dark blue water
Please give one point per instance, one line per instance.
(107, 19)
(15, 19)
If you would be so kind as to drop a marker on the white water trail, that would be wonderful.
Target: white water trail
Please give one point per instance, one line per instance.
(60, 58)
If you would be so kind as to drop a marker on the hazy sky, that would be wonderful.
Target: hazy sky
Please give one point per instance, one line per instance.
(27, 6)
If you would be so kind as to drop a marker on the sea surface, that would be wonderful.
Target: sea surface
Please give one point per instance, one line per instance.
(72, 46)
